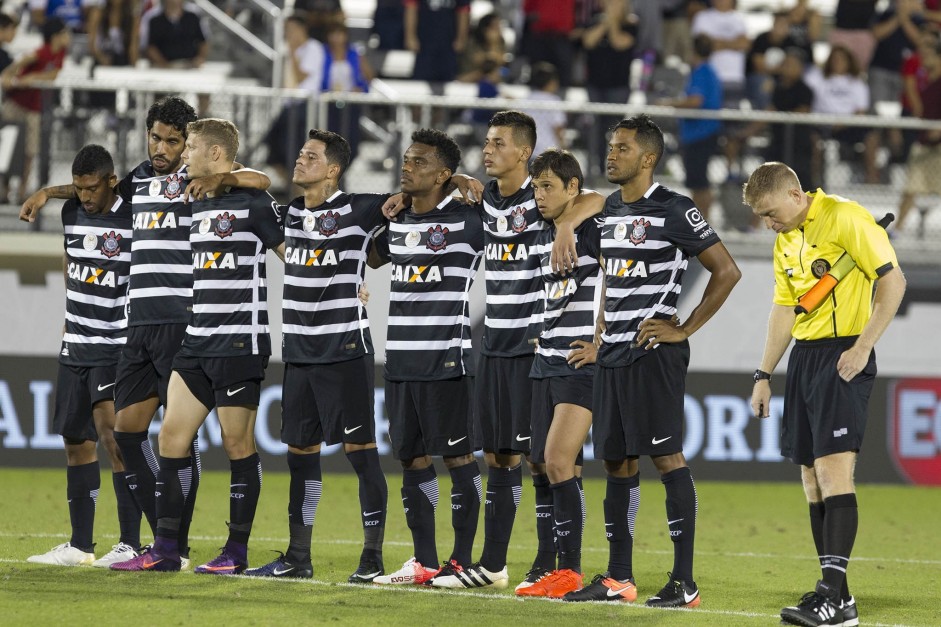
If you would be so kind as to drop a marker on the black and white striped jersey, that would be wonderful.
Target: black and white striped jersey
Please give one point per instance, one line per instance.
(98, 262)
(572, 302)
(324, 264)
(513, 278)
(646, 247)
(229, 236)
(434, 259)
(161, 289)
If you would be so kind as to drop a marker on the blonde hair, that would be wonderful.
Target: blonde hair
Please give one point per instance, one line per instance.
(217, 132)
(769, 177)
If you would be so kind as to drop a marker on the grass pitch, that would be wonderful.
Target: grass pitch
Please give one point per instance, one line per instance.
(754, 555)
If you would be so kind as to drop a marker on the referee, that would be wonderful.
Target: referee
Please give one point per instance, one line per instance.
(832, 367)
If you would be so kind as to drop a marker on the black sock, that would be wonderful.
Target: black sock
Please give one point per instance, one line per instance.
(190, 503)
(622, 499)
(373, 497)
(817, 514)
(465, 510)
(244, 490)
(82, 485)
(581, 495)
(420, 499)
(568, 513)
(682, 506)
(545, 531)
(173, 485)
(504, 487)
(839, 535)
(129, 513)
(304, 497)
(140, 471)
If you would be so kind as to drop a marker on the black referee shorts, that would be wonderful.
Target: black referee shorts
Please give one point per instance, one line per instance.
(146, 363)
(823, 414)
(78, 390)
(574, 389)
(223, 381)
(430, 417)
(504, 403)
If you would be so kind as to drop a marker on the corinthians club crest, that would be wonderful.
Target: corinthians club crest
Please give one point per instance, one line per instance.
(174, 187)
(111, 244)
(329, 223)
(518, 220)
(436, 238)
(224, 224)
(639, 232)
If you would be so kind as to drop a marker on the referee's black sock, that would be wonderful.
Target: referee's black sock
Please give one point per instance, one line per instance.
(303, 499)
(420, 499)
(682, 507)
(839, 535)
(622, 498)
(504, 487)
(567, 510)
(140, 471)
(817, 514)
(129, 514)
(545, 531)
(173, 484)
(373, 498)
(244, 490)
(190, 503)
(82, 485)
(465, 510)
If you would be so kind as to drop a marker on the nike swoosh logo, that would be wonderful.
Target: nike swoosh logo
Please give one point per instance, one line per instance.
(368, 514)
(140, 187)
(278, 571)
(149, 565)
(452, 443)
(296, 222)
(670, 522)
(104, 387)
(349, 431)
(690, 597)
(655, 441)
(564, 522)
(72, 241)
(616, 592)
(522, 439)
(234, 392)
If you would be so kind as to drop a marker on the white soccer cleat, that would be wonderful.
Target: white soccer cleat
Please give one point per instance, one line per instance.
(63, 555)
(120, 552)
(475, 576)
(411, 573)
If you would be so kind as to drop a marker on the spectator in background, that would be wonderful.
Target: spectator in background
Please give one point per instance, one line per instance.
(549, 27)
(649, 34)
(114, 38)
(791, 143)
(321, 16)
(805, 25)
(726, 30)
(914, 80)
(764, 59)
(851, 23)
(486, 46)
(550, 123)
(436, 31)
(699, 137)
(345, 70)
(7, 34)
(177, 37)
(75, 13)
(677, 15)
(24, 105)
(388, 24)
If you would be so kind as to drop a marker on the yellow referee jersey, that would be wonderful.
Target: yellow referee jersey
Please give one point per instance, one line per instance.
(834, 225)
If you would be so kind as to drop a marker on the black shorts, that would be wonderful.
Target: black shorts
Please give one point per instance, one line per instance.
(329, 403)
(430, 417)
(146, 363)
(223, 381)
(638, 409)
(549, 392)
(696, 156)
(78, 390)
(823, 414)
(504, 403)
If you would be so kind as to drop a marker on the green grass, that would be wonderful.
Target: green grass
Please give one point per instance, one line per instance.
(754, 555)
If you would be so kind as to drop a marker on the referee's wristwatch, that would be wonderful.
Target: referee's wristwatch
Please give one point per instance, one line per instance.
(761, 375)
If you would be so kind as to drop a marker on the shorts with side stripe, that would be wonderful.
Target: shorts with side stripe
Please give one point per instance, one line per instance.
(223, 381)
(639, 409)
(329, 403)
(430, 417)
(504, 403)
(146, 363)
(547, 393)
(78, 390)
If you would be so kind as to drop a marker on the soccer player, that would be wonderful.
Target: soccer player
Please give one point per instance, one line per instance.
(435, 249)
(563, 369)
(329, 366)
(160, 291)
(97, 227)
(648, 235)
(225, 350)
(832, 367)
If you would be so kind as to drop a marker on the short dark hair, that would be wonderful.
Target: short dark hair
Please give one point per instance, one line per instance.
(649, 135)
(523, 125)
(52, 27)
(172, 111)
(93, 159)
(543, 73)
(6, 20)
(337, 148)
(702, 46)
(449, 153)
(562, 163)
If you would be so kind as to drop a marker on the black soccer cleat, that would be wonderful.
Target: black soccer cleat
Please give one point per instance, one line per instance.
(281, 567)
(820, 607)
(370, 567)
(850, 613)
(604, 588)
(676, 594)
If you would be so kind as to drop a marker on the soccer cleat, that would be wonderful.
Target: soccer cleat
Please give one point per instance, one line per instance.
(149, 560)
(850, 613)
(555, 585)
(535, 574)
(224, 564)
(282, 568)
(120, 552)
(604, 588)
(675, 594)
(63, 555)
(411, 573)
(184, 555)
(370, 567)
(449, 569)
(816, 608)
(475, 576)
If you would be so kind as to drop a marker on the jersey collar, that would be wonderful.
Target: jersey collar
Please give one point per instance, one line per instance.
(815, 203)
